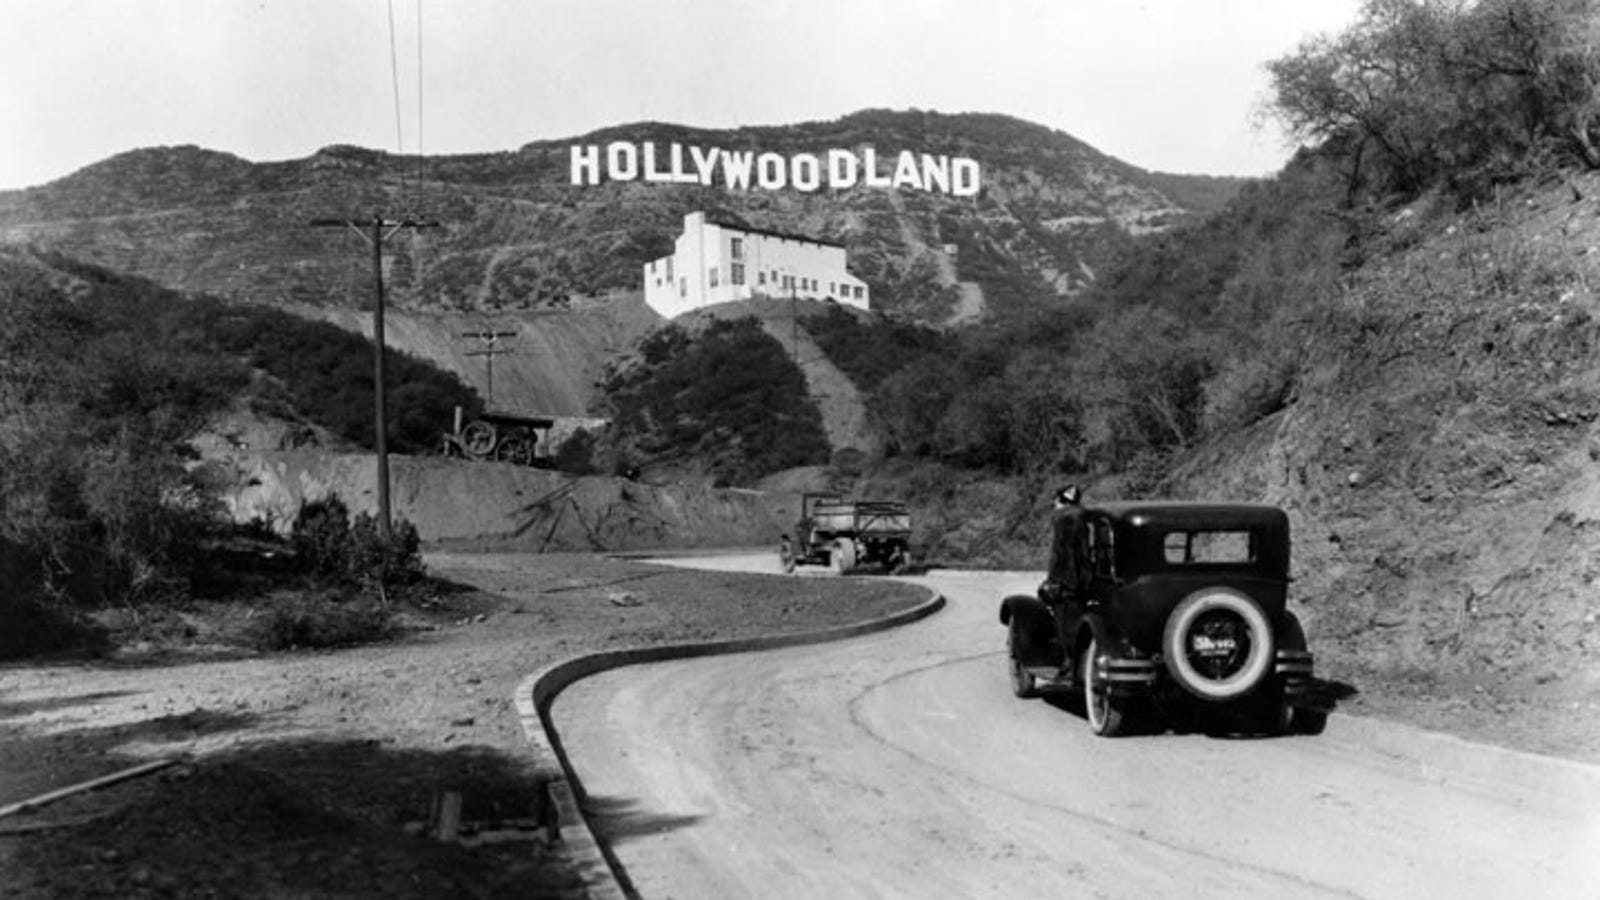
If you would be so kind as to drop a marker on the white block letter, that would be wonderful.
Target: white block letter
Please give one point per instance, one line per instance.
(870, 163)
(936, 171)
(736, 168)
(585, 164)
(805, 172)
(964, 177)
(705, 162)
(842, 168)
(905, 171)
(651, 173)
(622, 161)
(770, 172)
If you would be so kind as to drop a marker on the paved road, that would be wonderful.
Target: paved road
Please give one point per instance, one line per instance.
(899, 765)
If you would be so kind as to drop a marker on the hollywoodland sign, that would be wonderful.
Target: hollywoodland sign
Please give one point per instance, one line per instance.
(743, 169)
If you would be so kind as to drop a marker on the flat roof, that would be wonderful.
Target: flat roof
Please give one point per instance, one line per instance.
(773, 234)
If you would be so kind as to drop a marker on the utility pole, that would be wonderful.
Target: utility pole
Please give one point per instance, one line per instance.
(381, 229)
(491, 341)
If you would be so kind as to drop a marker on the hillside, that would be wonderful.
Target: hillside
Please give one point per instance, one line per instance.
(548, 366)
(1438, 456)
(517, 235)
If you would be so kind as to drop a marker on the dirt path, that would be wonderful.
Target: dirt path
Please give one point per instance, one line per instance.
(313, 774)
(899, 765)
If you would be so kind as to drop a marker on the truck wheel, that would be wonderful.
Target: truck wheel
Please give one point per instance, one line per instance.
(1107, 715)
(1022, 682)
(786, 556)
(1218, 644)
(843, 557)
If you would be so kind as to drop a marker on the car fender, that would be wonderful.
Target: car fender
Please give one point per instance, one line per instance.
(1034, 626)
(1094, 625)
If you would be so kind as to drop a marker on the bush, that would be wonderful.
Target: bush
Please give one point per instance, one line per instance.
(730, 398)
(575, 456)
(319, 619)
(321, 537)
(334, 549)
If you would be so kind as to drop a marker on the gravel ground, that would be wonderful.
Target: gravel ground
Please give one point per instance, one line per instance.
(315, 774)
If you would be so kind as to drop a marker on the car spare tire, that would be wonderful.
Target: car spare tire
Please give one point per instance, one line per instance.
(1218, 644)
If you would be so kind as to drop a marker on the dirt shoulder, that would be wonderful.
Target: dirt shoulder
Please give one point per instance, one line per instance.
(315, 774)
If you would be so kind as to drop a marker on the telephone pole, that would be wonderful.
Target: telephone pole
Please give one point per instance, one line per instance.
(380, 230)
(491, 348)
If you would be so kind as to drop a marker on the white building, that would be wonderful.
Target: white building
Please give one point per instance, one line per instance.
(719, 264)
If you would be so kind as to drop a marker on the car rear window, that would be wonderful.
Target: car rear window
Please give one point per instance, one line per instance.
(1184, 548)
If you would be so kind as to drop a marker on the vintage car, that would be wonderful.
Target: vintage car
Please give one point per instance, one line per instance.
(1163, 607)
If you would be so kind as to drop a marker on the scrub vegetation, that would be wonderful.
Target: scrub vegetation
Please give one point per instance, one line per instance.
(105, 381)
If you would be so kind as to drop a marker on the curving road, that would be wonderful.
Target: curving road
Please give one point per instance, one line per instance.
(899, 765)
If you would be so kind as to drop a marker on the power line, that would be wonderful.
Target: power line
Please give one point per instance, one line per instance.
(491, 349)
(394, 77)
(375, 238)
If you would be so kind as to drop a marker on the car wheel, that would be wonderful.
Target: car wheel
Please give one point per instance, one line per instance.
(1218, 644)
(1107, 715)
(1277, 716)
(1309, 721)
(843, 557)
(1023, 684)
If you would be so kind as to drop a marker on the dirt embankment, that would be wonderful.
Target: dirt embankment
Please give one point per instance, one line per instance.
(548, 364)
(1439, 461)
(480, 505)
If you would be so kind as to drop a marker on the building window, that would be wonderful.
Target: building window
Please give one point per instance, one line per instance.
(761, 278)
(737, 249)
(711, 276)
(736, 273)
(683, 287)
(669, 268)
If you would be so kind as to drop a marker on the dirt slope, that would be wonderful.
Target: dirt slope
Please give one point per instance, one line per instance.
(1440, 460)
(548, 368)
(460, 503)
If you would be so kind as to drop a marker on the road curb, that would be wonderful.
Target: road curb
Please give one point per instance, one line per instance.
(564, 792)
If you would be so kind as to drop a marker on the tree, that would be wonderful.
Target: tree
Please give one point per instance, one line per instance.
(1417, 90)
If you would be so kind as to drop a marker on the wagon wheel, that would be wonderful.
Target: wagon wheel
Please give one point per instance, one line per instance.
(478, 438)
(843, 556)
(514, 450)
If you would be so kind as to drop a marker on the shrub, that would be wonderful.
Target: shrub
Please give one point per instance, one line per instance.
(318, 619)
(333, 548)
(731, 398)
(575, 456)
(321, 537)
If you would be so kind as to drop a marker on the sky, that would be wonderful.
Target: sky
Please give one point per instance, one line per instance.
(1167, 85)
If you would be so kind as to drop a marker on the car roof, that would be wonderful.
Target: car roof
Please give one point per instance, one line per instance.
(1191, 514)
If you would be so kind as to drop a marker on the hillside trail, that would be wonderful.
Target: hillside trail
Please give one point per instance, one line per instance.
(844, 411)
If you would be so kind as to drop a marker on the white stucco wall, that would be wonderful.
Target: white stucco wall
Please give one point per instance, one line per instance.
(704, 269)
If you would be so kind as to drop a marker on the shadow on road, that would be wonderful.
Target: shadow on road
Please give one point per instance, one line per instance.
(618, 819)
(1152, 718)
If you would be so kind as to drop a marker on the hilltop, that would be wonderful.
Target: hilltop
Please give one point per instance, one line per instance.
(518, 236)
